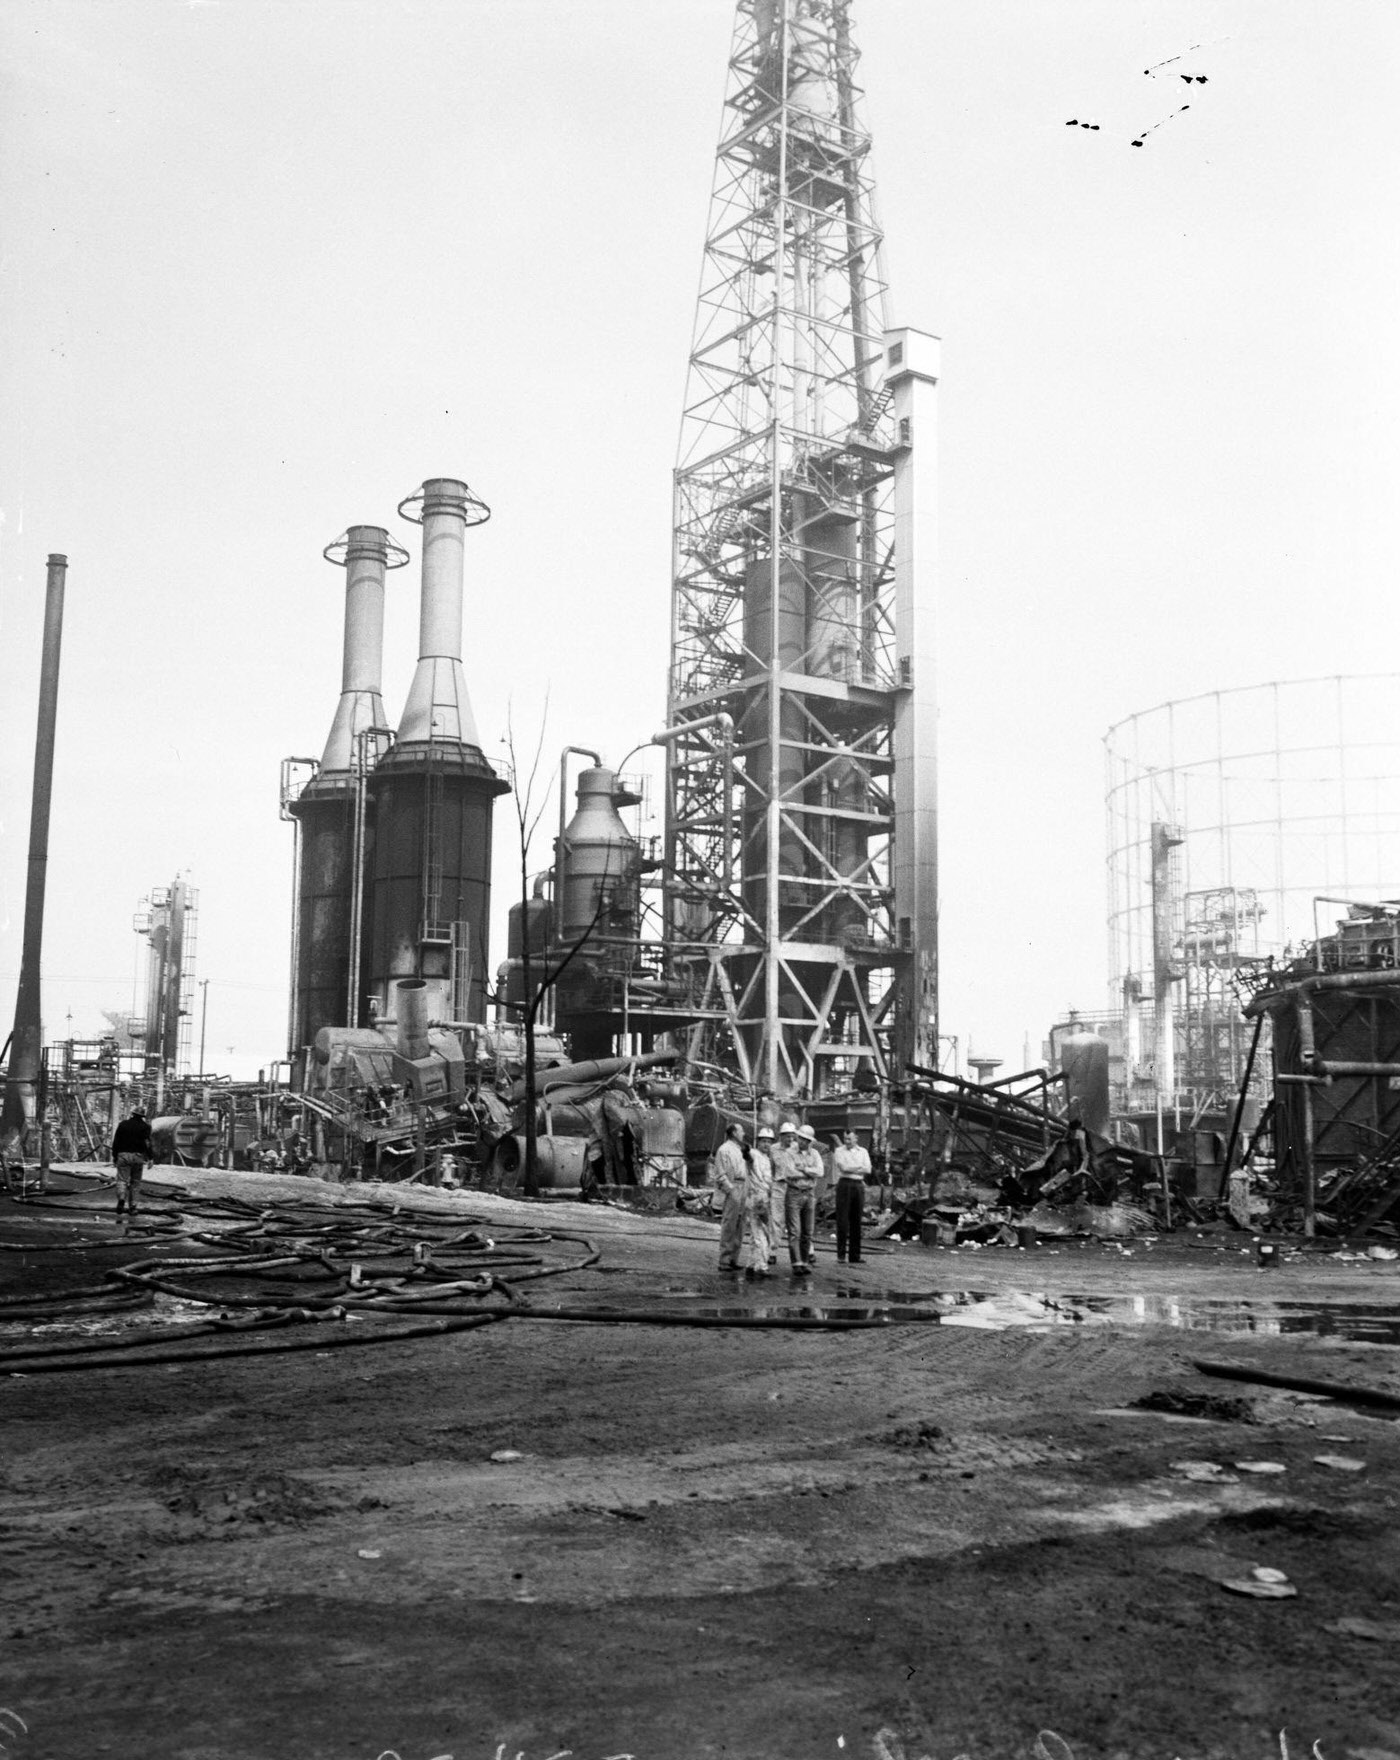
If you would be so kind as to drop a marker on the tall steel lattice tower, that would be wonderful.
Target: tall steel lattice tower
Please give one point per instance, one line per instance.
(801, 797)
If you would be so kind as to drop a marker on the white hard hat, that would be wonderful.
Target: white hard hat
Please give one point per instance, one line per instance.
(765, 1132)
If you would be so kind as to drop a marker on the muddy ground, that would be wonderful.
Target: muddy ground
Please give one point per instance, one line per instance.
(922, 1540)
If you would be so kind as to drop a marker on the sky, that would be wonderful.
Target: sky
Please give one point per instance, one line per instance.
(265, 265)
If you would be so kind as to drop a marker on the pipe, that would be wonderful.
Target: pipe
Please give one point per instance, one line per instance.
(1341, 1390)
(26, 1058)
(411, 1019)
(1267, 999)
(1309, 1167)
(558, 869)
(595, 1069)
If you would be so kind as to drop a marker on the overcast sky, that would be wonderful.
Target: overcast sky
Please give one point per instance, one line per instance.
(267, 264)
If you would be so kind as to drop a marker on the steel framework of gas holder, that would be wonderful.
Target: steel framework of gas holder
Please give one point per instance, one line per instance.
(801, 863)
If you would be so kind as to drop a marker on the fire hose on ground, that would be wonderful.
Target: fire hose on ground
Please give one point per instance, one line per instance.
(330, 1268)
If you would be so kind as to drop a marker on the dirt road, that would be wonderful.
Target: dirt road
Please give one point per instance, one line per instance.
(928, 1539)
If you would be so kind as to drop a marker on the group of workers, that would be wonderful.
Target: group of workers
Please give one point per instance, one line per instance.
(769, 1188)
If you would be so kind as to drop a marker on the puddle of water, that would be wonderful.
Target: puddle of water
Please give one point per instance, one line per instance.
(1031, 1311)
(704, 1310)
(1353, 1321)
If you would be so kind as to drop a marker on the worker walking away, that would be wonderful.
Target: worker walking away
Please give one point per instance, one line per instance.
(131, 1150)
(782, 1155)
(729, 1175)
(756, 1251)
(804, 1175)
(850, 1164)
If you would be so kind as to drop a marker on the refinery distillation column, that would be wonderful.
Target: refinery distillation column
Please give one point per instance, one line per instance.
(802, 596)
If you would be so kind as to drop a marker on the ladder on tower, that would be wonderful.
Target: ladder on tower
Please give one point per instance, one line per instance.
(434, 928)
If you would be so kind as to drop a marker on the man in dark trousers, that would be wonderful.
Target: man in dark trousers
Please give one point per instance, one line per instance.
(131, 1150)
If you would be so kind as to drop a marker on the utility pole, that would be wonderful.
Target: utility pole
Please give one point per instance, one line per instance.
(203, 1022)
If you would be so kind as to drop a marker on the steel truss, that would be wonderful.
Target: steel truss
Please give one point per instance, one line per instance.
(779, 888)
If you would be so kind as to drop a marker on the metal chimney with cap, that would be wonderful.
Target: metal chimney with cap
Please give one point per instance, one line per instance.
(333, 810)
(428, 879)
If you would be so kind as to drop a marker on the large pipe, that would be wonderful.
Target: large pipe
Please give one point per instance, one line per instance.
(438, 707)
(412, 1019)
(596, 1069)
(26, 1050)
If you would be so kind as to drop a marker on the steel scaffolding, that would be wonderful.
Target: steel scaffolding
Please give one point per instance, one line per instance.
(800, 847)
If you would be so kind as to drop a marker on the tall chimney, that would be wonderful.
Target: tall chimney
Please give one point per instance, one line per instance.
(26, 1049)
(332, 813)
(438, 707)
(366, 552)
(428, 881)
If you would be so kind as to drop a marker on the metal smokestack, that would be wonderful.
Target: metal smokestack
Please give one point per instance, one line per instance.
(411, 1019)
(428, 878)
(332, 811)
(438, 707)
(26, 1049)
(367, 553)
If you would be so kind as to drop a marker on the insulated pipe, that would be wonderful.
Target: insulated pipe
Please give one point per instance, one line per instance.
(26, 1052)
(411, 1017)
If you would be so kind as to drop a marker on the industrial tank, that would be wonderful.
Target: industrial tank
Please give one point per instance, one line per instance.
(529, 923)
(598, 863)
(598, 904)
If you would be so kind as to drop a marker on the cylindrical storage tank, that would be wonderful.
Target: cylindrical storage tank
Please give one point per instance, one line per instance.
(598, 865)
(1274, 797)
(533, 920)
(1084, 1063)
(185, 1139)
